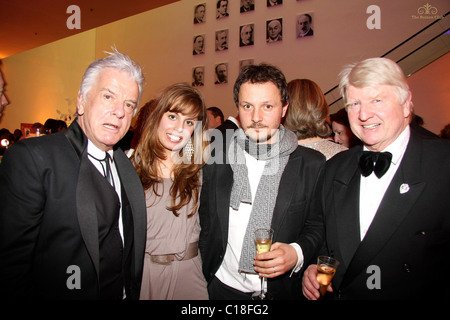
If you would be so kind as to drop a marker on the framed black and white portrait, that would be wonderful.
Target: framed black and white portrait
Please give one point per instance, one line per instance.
(274, 3)
(222, 9)
(199, 44)
(304, 25)
(247, 6)
(198, 76)
(221, 73)
(200, 13)
(222, 40)
(244, 63)
(274, 30)
(246, 35)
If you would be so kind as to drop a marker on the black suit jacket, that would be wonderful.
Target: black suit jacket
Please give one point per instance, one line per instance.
(409, 239)
(48, 217)
(297, 215)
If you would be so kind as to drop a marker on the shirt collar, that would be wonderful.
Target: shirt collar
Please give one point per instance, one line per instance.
(398, 147)
(93, 150)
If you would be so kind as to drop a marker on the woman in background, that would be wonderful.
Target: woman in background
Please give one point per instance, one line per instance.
(168, 159)
(341, 129)
(307, 117)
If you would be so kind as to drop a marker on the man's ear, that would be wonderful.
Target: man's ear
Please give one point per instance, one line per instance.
(80, 104)
(408, 106)
(285, 107)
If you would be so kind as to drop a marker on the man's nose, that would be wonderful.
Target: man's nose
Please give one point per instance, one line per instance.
(3, 100)
(256, 115)
(119, 109)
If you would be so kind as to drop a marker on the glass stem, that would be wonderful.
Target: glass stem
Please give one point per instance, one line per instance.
(263, 288)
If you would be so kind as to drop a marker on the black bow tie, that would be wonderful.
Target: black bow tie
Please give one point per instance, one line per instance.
(374, 161)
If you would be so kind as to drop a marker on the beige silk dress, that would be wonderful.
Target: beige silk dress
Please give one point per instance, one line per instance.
(169, 234)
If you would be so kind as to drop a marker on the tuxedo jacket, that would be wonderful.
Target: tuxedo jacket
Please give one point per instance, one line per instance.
(220, 138)
(227, 125)
(51, 197)
(408, 241)
(297, 216)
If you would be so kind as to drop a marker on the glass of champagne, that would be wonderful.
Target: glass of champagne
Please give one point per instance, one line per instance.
(263, 241)
(326, 268)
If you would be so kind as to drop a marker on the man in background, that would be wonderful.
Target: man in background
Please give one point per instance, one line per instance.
(214, 117)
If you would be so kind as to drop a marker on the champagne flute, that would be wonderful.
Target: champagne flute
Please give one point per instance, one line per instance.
(263, 241)
(326, 268)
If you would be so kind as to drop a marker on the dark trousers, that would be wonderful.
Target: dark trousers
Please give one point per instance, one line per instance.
(220, 291)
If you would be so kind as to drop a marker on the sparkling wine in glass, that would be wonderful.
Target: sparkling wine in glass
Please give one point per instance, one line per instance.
(326, 268)
(263, 241)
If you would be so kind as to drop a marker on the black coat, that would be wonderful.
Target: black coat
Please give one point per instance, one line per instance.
(409, 238)
(297, 215)
(48, 217)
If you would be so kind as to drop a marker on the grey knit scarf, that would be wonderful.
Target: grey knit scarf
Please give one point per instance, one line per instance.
(276, 156)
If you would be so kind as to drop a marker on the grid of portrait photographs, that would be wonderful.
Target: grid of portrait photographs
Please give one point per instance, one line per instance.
(273, 29)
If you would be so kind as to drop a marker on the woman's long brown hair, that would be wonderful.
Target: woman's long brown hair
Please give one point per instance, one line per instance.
(178, 98)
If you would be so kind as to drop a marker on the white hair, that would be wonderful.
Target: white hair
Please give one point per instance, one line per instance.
(374, 71)
(115, 60)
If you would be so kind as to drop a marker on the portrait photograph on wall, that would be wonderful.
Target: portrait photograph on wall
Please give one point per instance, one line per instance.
(198, 74)
(304, 25)
(199, 44)
(246, 35)
(247, 6)
(222, 9)
(274, 30)
(244, 63)
(274, 3)
(200, 13)
(221, 71)
(222, 40)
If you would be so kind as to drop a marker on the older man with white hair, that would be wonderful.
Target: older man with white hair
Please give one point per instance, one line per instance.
(386, 204)
(73, 216)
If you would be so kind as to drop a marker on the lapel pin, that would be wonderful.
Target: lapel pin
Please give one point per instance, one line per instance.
(404, 188)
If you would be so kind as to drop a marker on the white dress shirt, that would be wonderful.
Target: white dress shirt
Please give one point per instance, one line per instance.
(372, 189)
(228, 272)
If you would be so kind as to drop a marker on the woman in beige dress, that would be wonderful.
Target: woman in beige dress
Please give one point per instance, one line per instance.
(307, 117)
(168, 160)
